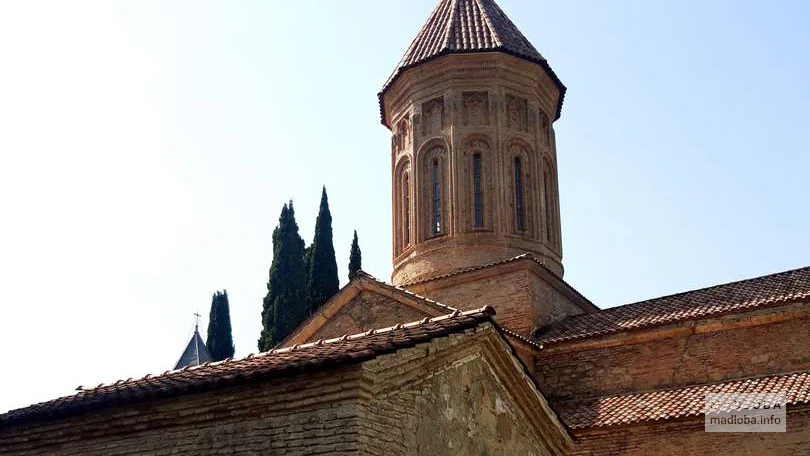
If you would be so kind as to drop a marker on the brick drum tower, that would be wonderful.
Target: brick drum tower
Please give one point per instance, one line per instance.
(473, 157)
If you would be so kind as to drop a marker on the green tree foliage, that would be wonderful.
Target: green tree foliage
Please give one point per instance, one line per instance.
(219, 339)
(355, 257)
(284, 306)
(322, 277)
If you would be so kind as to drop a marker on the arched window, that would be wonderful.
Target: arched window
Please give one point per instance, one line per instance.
(436, 208)
(522, 188)
(478, 199)
(406, 212)
(520, 206)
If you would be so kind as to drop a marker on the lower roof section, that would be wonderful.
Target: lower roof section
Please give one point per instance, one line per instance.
(759, 292)
(320, 355)
(658, 405)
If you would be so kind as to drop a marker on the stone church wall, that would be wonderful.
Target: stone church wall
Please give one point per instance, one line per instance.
(686, 438)
(316, 414)
(462, 409)
(442, 398)
(680, 360)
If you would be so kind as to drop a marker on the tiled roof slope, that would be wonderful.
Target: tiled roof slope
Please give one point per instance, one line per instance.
(675, 403)
(275, 363)
(463, 26)
(775, 289)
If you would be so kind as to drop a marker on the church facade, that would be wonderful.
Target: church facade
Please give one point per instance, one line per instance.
(477, 346)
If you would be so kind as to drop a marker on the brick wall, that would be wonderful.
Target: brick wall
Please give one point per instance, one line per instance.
(441, 398)
(366, 311)
(676, 360)
(522, 299)
(316, 414)
(446, 254)
(686, 438)
(509, 293)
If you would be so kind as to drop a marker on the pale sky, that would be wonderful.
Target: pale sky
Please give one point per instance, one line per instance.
(146, 149)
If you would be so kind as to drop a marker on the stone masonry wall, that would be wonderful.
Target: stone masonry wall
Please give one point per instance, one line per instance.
(315, 414)
(676, 361)
(441, 398)
(688, 438)
(462, 408)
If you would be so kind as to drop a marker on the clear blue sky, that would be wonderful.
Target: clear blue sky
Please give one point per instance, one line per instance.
(146, 149)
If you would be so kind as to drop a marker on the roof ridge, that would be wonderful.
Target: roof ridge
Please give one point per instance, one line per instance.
(345, 350)
(486, 311)
(488, 20)
(778, 288)
(526, 255)
(471, 268)
(696, 290)
(410, 293)
(451, 24)
(525, 340)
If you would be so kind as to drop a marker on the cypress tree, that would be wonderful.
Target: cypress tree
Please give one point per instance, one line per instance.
(284, 306)
(355, 257)
(219, 340)
(322, 279)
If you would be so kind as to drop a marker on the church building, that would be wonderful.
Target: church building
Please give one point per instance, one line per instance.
(477, 345)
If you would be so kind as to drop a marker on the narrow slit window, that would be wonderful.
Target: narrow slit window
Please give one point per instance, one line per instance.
(549, 209)
(437, 198)
(520, 207)
(406, 209)
(477, 196)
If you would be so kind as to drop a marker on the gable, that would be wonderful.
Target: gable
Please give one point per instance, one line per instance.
(365, 311)
(363, 304)
(467, 394)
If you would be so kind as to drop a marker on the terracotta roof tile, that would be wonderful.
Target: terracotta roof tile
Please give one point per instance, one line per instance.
(521, 339)
(463, 26)
(322, 354)
(674, 403)
(775, 289)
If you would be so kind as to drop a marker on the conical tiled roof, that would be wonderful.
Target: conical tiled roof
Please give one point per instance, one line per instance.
(463, 26)
(195, 353)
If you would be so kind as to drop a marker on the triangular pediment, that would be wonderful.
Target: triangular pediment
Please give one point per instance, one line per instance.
(478, 379)
(364, 303)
